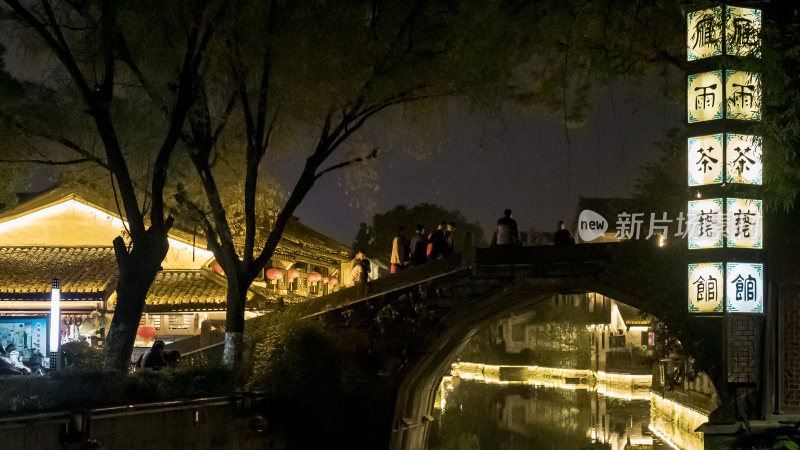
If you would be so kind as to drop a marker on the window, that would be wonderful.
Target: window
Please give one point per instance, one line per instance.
(154, 321)
(179, 322)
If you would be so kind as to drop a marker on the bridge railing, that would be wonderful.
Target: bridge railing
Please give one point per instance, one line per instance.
(403, 280)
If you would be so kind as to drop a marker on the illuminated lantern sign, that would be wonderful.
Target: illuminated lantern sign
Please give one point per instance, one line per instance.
(743, 90)
(744, 291)
(706, 285)
(743, 159)
(744, 225)
(741, 162)
(742, 31)
(704, 33)
(704, 96)
(705, 160)
(704, 227)
(742, 96)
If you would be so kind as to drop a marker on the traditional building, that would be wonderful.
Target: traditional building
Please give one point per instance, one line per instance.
(65, 235)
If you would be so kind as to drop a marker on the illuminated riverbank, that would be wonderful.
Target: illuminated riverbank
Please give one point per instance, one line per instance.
(670, 423)
(615, 385)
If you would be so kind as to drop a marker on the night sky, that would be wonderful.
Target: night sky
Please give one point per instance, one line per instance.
(519, 160)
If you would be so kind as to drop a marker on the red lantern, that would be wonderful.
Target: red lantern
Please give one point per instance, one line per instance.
(146, 331)
(313, 277)
(293, 273)
(217, 268)
(274, 274)
(333, 281)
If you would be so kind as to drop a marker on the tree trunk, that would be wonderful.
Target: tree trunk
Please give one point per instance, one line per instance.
(137, 271)
(234, 322)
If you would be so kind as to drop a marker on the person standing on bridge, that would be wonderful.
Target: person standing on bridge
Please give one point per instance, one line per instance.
(357, 275)
(450, 238)
(419, 245)
(437, 242)
(563, 236)
(398, 251)
(507, 234)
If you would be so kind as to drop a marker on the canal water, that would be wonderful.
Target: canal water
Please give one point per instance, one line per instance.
(473, 414)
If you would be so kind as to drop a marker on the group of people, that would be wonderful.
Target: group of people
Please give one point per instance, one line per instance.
(507, 234)
(360, 268)
(420, 248)
(11, 361)
(158, 358)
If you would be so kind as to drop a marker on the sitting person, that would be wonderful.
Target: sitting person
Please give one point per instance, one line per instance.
(154, 358)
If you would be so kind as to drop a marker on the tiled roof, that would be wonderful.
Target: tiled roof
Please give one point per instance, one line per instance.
(632, 316)
(298, 241)
(183, 290)
(90, 273)
(84, 273)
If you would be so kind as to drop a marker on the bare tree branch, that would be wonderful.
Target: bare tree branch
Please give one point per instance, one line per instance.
(372, 155)
(46, 162)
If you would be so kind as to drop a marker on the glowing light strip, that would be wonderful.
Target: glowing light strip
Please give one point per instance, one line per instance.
(663, 437)
(55, 317)
(612, 385)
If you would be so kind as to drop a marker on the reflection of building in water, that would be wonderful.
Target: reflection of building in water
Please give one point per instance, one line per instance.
(514, 416)
(562, 410)
(620, 425)
(580, 331)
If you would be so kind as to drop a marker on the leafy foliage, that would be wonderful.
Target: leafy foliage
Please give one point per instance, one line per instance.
(298, 367)
(91, 388)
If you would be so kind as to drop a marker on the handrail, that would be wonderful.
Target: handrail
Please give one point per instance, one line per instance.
(388, 291)
(201, 349)
(138, 408)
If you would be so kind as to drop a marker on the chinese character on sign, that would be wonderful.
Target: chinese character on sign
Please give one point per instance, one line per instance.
(705, 99)
(706, 158)
(743, 153)
(746, 289)
(743, 222)
(744, 33)
(706, 289)
(742, 29)
(706, 223)
(705, 32)
(742, 162)
(743, 95)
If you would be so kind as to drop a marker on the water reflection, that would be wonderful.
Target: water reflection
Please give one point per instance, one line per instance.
(476, 415)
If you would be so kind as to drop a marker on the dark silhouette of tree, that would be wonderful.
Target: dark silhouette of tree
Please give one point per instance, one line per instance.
(94, 65)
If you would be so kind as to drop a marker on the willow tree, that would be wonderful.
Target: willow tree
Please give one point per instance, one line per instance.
(304, 78)
(107, 83)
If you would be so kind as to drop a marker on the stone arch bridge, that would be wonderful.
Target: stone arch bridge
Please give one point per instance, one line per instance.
(399, 335)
